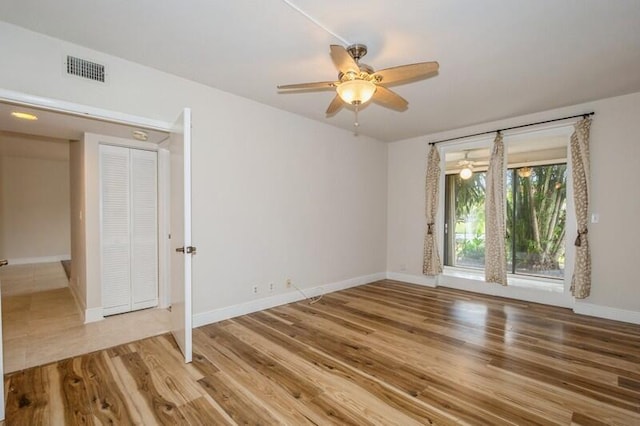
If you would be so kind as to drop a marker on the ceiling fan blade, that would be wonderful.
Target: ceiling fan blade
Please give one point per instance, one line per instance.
(335, 106)
(406, 72)
(317, 85)
(390, 99)
(342, 60)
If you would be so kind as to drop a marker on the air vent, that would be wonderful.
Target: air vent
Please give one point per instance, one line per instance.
(85, 69)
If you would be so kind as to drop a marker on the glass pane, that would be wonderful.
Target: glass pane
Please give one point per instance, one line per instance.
(509, 195)
(538, 224)
(469, 220)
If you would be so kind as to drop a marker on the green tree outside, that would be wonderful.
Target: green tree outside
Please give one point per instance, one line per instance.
(536, 220)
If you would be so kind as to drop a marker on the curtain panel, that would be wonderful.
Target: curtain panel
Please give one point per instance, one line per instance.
(580, 166)
(431, 262)
(495, 269)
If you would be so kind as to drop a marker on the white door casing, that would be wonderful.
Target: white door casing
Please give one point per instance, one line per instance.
(1, 362)
(180, 231)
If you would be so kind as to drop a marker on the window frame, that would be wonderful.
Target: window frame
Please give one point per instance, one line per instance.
(468, 278)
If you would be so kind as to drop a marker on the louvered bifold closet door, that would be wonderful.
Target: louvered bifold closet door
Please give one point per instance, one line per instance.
(115, 197)
(144, 229)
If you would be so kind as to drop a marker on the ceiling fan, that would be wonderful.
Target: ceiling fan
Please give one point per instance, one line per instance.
(358, 83)
(466, 166)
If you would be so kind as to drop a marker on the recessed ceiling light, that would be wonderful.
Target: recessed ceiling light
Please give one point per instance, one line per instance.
(24, 115)
(140, 135)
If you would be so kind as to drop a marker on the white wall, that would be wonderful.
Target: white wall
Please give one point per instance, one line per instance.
(275, 195)
(278, 196)
(614, 142)
(77, 281)
(35, 199)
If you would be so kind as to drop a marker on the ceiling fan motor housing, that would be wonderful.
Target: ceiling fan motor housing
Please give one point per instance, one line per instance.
(357, 51)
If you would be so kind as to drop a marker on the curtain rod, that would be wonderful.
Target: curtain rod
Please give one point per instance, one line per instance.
(513, 127)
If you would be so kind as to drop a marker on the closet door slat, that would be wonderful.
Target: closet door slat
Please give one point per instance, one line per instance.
(144, 229)
(115, 229)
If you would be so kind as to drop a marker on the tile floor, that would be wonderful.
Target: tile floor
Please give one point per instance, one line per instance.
(41, 322)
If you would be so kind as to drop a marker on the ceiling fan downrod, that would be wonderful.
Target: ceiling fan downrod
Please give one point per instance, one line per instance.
(357, 51)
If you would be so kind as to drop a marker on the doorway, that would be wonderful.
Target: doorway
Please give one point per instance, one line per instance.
(176, 190)
(47, 316)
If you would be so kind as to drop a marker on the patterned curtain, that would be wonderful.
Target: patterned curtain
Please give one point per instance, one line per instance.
(431, 262)
(581, 279)
(495, 269)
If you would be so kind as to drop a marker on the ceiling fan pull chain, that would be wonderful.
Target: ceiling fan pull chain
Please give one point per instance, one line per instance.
(356, 124)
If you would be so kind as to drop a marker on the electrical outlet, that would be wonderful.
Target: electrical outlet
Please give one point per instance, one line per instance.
(272, 286)
(255, 289)
(288, 282)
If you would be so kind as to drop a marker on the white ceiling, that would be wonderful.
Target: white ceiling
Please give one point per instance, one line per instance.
(497, 58)
(65, 126)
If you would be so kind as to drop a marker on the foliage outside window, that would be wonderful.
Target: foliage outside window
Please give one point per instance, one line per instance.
(536, 219)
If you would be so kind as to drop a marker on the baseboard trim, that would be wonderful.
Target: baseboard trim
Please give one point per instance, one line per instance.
(412, 279)
(41, 259)
(517, 293)
(228, 312)
(93, 315)
(221, 314)
(606, 312)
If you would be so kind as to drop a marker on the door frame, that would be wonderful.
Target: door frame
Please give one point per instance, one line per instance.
(116, 117)
(2, 398)
(56, 105)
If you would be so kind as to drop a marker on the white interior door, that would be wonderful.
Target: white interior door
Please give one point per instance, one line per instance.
(115, 229)
(180, 231)
(144, 229)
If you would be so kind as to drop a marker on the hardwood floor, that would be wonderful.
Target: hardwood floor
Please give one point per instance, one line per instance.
(385, 353)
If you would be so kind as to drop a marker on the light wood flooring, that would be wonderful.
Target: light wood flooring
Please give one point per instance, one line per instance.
(41, 321)
(385, 353)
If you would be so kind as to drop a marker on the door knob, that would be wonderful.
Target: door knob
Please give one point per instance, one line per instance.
(188, 250)
(4, 262)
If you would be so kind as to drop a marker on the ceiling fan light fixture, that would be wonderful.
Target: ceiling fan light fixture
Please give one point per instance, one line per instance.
(525, 172)
(466, 172)
(356, 92)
